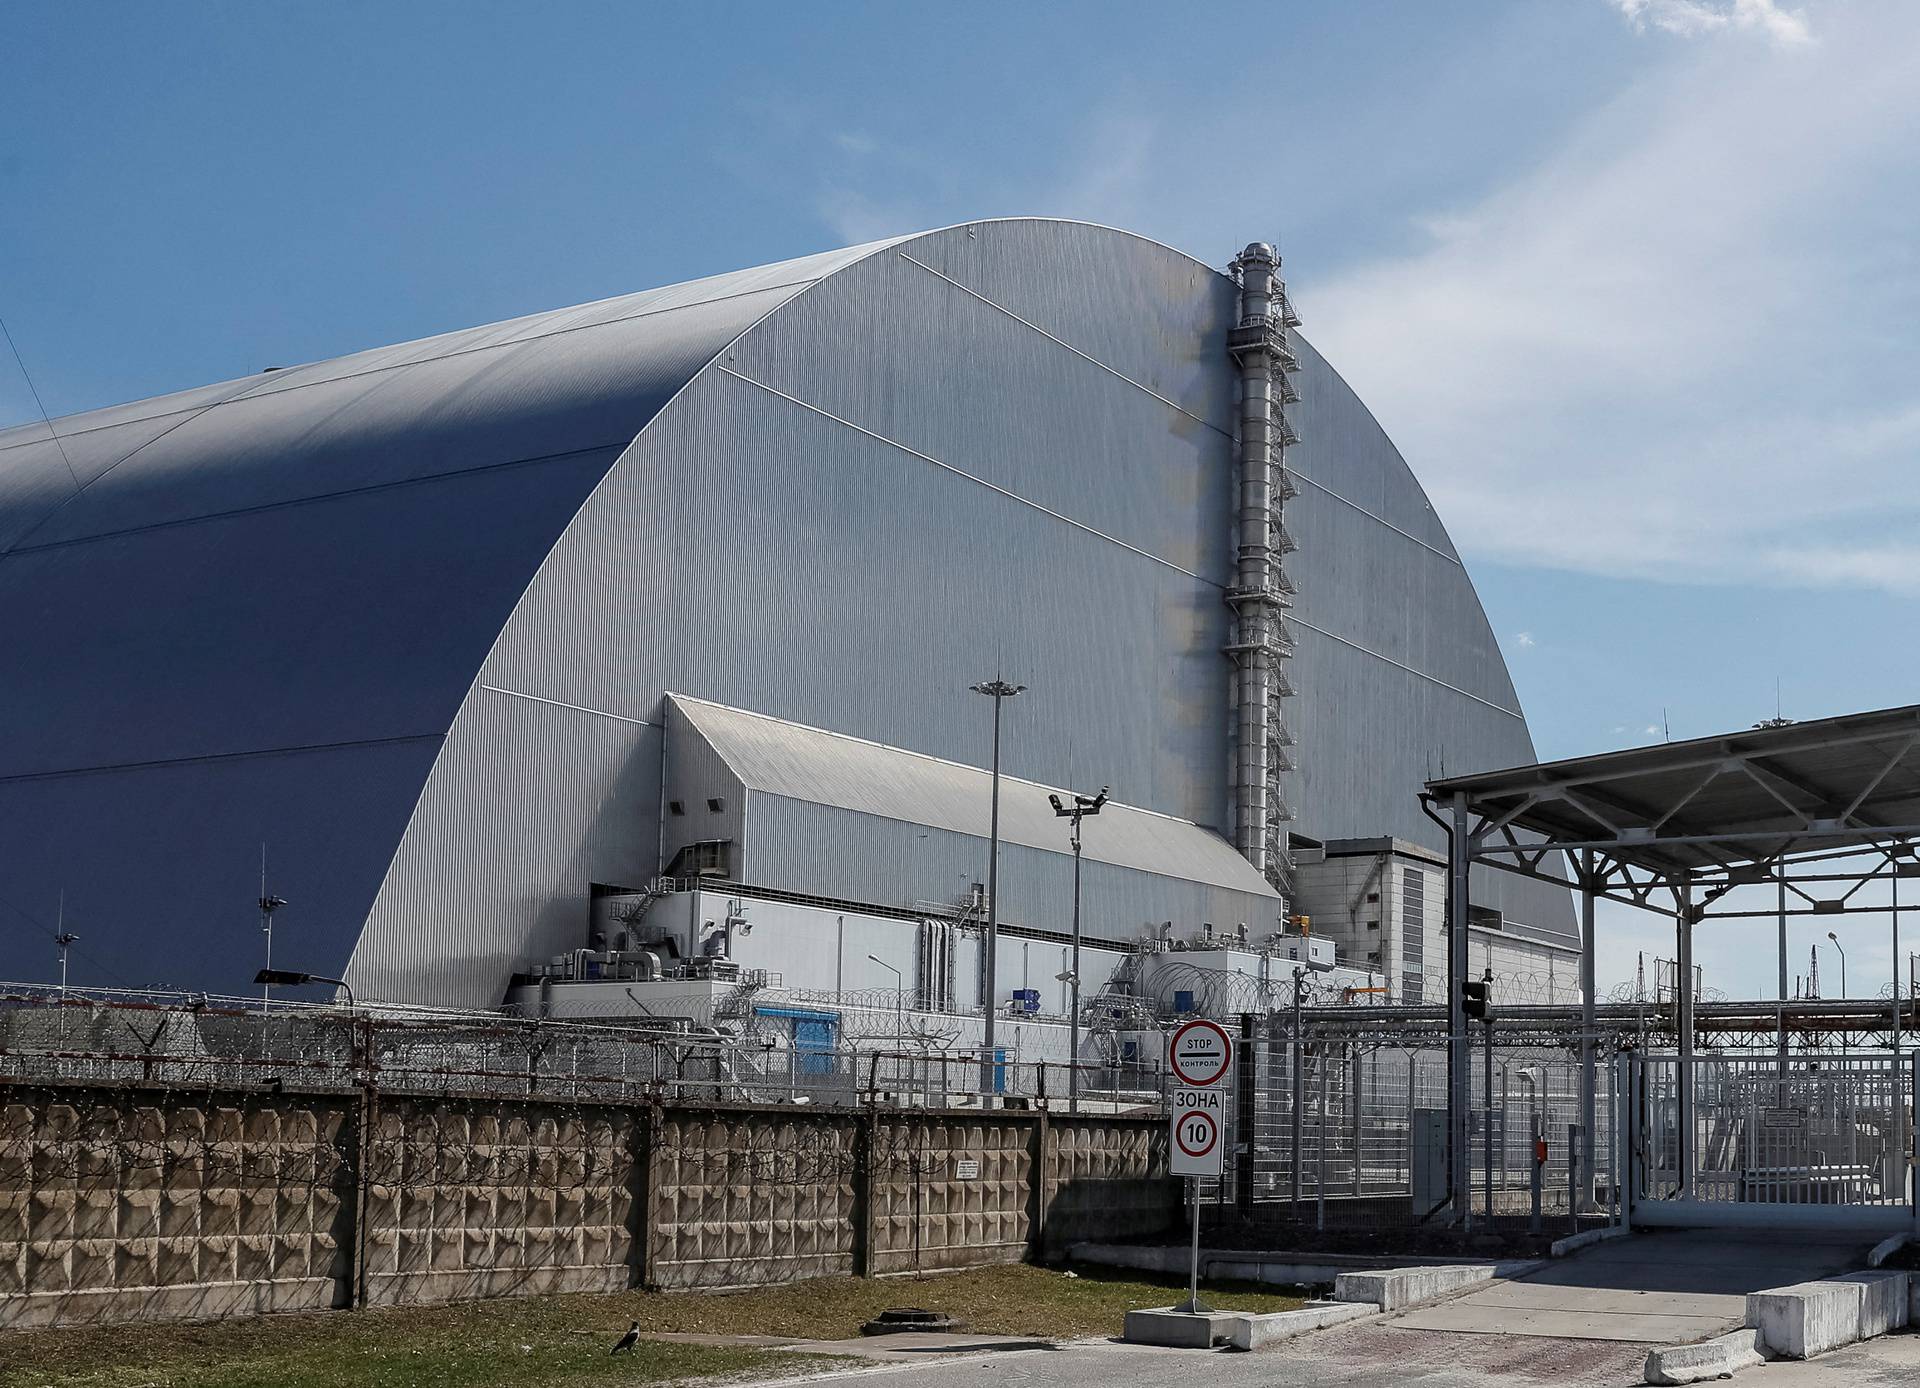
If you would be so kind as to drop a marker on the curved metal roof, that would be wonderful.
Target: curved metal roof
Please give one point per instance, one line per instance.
(212, 587)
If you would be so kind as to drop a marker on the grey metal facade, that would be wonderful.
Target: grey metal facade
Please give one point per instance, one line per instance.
(410, 617)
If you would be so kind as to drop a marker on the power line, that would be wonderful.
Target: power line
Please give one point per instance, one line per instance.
(45, 418)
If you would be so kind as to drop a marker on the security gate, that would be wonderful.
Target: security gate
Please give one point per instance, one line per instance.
(1819, 1140)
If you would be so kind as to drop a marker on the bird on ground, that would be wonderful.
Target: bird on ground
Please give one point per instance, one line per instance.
(628, 1340)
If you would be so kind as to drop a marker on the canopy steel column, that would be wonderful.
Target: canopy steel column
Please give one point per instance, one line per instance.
(1459, 1056)
(1683, 919)
(1588, 1008)
(1783, 929)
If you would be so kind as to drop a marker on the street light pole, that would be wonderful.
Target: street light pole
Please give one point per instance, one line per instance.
(999, 691)
(1843, 983)
(899, 995)
(64, 939)
(295, 978)
(269, 903)
(1082, 807)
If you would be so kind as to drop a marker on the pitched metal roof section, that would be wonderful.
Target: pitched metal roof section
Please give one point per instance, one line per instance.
(1711, 801)
(775, 757)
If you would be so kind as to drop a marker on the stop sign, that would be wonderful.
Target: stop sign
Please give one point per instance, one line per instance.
(1201, 1053)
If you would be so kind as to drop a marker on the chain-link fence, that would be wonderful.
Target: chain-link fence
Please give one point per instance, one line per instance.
(48, 1037)
(1347, 1130)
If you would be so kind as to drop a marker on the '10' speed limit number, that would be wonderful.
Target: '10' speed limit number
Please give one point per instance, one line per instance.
(1200, 1056)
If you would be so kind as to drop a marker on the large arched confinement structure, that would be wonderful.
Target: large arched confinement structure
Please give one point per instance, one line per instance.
(411, 617)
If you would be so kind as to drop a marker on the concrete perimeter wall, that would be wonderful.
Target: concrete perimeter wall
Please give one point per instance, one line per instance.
(154, 1203)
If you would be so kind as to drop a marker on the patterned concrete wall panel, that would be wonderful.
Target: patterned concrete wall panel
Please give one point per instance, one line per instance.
(951, 1192)
(126, 1207)
(746, 1197)
(479, 1198)
(1107, 1179)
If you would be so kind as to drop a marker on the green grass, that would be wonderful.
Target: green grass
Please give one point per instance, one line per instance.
(1013, 1300)
(563, 1340)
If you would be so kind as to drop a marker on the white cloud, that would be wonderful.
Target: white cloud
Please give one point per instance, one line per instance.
(1689, 328)
(1692, 18)
(1523, 640)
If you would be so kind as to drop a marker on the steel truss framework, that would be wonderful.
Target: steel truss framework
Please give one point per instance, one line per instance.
(1817, 809)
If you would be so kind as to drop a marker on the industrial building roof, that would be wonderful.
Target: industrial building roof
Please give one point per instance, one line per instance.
(1711, 801)
(775, 757)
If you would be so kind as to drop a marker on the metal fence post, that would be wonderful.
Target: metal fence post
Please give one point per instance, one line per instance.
(1246, 1107)
(1413, 1103)
(1297, 1083)
(1574, 1149)
(1320, 1176)
(1487, 1109)
(1353, 1099)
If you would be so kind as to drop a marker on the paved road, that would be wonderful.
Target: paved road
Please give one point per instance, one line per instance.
(1365, 1356)
(1586, 1322)
(1359, 1356)
(1667, 1287)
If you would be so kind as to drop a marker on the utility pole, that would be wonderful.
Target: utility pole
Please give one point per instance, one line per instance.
(1082, 807)
(999, 691)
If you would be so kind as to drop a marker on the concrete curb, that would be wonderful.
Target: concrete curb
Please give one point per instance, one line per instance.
(1886, 1248)
(1573, 1243)
(1177, 1329)
(1715, 1358)
(1395, 1289)
(1255, 1332)
(1275, 1267)
(1810, 1318)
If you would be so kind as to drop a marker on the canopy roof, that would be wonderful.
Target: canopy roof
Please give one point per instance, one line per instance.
(1710, 804)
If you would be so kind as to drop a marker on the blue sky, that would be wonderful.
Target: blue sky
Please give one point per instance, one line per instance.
(1631, 282)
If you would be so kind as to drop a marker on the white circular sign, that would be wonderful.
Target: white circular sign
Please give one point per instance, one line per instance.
(1196, 1132)
(1200, 1053)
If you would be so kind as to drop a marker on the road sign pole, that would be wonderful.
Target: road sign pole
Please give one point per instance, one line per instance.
(1200, 1059)
(1194, 1306)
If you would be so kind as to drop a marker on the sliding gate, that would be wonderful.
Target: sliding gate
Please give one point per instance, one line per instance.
(1813, 1141)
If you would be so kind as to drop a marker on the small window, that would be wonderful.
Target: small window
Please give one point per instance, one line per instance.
(716, 804)
(676, 807)
(1373, 925)
(1373, 896)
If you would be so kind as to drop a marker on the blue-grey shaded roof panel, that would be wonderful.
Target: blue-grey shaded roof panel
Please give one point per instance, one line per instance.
(539, 397)
(160, 865)
(361, 616)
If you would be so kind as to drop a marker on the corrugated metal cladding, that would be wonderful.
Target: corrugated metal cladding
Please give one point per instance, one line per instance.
(1398, 671)
(771, 756)
(999, 448)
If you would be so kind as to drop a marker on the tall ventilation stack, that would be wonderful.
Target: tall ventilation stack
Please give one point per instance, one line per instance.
(1262, 593)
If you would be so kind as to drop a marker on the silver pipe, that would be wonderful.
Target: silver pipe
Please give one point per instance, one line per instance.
(1255, 557)
(1257, 345)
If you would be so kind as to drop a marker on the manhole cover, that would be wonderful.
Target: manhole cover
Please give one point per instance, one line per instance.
(907, 1320)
